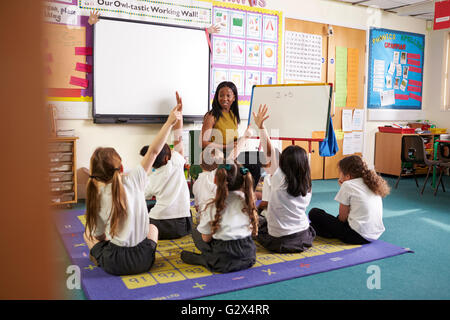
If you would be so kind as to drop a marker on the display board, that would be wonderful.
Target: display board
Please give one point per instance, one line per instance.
(140, 65)
(246, 50)
(395, 69)
(295, 110)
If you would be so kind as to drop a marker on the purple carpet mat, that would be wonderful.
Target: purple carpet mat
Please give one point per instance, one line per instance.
(171, 278)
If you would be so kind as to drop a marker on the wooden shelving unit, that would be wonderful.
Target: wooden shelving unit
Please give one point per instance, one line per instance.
(62, 170)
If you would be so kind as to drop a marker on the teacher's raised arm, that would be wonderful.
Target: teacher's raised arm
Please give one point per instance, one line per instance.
(220, 124)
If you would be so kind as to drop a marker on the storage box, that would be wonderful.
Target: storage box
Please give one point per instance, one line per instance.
(397, 130)
(438, 130)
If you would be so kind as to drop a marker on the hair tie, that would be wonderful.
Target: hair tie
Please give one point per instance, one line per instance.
(93, 177)
(227, 167)
(243, 170)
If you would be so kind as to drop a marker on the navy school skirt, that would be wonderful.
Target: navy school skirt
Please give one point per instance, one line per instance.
(120, 261)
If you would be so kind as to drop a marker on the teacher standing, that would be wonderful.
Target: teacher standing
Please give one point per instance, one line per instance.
(220, 124)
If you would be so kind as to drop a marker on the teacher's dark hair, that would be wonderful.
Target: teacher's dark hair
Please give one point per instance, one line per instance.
(216, 110)
(295, 165)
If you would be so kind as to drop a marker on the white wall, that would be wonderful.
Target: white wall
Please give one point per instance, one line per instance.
(128, 139)
(433, 86)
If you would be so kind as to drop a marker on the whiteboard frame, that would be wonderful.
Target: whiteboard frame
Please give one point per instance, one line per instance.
(131, 118)
(297, 84)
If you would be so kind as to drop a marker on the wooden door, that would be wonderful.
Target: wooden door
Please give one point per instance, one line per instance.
(349, 38)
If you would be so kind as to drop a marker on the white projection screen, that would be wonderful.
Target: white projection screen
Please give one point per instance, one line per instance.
(138, 67)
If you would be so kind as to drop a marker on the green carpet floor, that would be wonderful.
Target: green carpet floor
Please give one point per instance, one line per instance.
(419, 222)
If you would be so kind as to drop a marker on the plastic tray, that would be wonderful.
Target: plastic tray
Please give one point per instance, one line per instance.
(396, 130)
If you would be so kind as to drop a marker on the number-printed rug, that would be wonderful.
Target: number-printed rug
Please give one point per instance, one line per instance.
(171, 278)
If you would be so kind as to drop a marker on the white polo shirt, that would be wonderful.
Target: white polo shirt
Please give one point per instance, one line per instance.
(366, 208)
(168, 184)
(234, 224)
(204, 189)
(135, 227)
(285, 214)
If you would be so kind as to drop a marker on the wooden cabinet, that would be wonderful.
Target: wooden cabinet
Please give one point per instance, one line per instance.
(388, 147)
(62, 170)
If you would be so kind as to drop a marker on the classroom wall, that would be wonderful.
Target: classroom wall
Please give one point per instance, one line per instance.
(433, 86)
(128, 139)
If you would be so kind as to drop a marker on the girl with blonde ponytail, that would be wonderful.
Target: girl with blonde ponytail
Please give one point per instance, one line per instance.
(228, 223)
(360, 218)
(118, 233)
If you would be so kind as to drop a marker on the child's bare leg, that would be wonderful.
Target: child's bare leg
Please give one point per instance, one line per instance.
(153, 233)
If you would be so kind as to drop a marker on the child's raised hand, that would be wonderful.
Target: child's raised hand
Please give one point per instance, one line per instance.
(179, 105)
(174, 115)
(261, 116)
(93, 17)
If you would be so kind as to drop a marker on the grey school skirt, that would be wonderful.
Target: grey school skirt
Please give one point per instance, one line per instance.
(296, 242)
(222, 256)
(121, 261)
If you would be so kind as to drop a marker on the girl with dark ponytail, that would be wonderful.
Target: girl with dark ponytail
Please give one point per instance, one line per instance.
(228, 223)
(360, 218)
(285, 227)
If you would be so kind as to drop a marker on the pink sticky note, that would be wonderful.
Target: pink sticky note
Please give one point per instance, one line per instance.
(83, 51)
(415, 82)
(414, 69)
(415, 96)
(413, 88)
(83, 67)
(401, 97)
(413, 56)
(79, 82)
(414, 62)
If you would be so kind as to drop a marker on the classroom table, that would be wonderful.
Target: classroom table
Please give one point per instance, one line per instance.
(436, 144)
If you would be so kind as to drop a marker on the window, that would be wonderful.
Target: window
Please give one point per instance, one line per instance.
(446, 88)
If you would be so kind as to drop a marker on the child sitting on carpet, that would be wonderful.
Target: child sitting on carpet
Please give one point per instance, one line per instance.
(172, 213)
(361, 208)
(224, 234)
(204, 188)
(118, 233)
(285, 228)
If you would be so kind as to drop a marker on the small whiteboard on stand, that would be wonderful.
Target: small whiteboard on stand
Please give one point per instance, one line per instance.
(295, 110)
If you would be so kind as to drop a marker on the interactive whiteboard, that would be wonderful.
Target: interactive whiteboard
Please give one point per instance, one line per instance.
(295, 110)
(138, 66)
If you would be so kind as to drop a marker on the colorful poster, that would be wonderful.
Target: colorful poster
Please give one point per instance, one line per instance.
(221, 19)
(270, 28)
(395, 69)
(237, 52)
(237, 24)
(248, 53)
(251, 78)
(269, 55)
(221, 50)
(254, 26)
(253, 53)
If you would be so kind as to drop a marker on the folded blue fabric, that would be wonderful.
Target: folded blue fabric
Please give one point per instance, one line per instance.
(329, 147)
